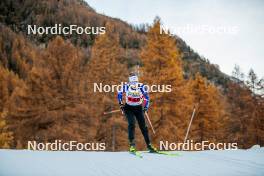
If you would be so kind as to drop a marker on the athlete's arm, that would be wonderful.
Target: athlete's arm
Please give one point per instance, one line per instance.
(120, 94)
(144, 91)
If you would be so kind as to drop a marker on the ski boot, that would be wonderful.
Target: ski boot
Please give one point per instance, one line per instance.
(132, 149)
(152, 149)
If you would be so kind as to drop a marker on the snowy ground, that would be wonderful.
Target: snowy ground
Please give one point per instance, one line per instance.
(42, 163)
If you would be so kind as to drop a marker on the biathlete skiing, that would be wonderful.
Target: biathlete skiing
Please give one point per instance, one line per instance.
(136, 104)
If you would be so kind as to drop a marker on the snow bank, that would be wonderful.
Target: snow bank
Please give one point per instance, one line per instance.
(44, 163)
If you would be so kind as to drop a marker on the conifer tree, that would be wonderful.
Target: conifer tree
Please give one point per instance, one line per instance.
(162, 66)
(51, 105)
(8, 84)
(238, 74)
(256, 101)
(105, 68)
(254, 83)
(207, 122)
(246, 115)
(6, 137)
(240, 124)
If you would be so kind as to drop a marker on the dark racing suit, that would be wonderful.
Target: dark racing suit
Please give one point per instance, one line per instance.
(136, 97)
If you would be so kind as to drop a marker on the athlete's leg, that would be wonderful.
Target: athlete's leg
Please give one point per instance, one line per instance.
(142, 124)
(131, 124)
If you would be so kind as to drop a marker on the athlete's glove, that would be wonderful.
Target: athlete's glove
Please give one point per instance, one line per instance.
(145, 109)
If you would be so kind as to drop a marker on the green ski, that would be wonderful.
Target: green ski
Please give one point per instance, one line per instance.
(153, 150)
(168, 153)
(136, 153)
(165, 153)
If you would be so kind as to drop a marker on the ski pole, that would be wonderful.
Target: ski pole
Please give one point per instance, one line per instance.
(193, 113)
(110, 112)
(150, 123)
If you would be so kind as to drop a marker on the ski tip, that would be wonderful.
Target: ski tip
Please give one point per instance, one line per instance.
(137, 154)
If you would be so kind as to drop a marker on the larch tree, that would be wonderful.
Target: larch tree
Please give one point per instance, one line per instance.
(241, 108)
(208, 119)
(246, 112)
(106, 69)
(162, 65)
(9, 83)
(238, 74)
(51, 106)
(6, 137)
(256, 86)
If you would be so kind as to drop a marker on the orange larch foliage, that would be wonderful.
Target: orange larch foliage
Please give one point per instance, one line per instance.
(209, 116)
(106, 68)
(162, 66)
